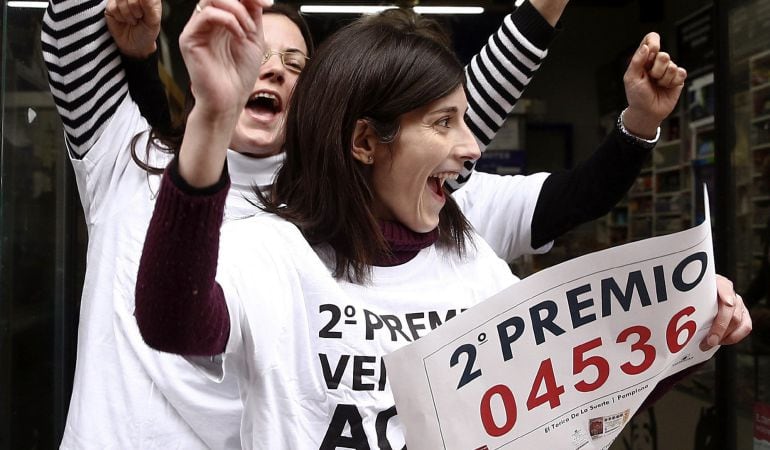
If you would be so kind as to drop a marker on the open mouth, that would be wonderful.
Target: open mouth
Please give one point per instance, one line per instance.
(264, 105)
(437, 180)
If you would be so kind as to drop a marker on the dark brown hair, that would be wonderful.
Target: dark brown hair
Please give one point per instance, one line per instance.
(168, 139)
(407, 21)
(373, 69)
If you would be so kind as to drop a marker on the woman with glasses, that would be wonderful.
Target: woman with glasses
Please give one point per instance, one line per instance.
(122, 394)
(293, 60)
(301, 304)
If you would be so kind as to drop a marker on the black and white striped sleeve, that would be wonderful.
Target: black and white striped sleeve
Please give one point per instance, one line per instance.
(497, 75)
(84, 69)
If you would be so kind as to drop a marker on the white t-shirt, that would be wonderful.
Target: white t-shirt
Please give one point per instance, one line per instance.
(500, 208)
(125, 394)
(307, 350)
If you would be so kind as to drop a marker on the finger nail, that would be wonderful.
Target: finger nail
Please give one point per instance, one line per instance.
(712, 340)
(730, 301)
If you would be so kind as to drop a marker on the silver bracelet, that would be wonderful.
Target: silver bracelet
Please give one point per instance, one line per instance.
(634, 139)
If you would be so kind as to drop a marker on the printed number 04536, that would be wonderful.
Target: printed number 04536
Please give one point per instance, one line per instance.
(583, 357)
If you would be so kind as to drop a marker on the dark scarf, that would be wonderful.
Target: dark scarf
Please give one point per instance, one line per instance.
(404, 243)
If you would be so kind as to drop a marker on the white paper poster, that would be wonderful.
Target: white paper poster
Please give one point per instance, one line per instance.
(562, 359)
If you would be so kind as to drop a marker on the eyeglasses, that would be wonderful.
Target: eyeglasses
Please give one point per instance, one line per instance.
(292, 60)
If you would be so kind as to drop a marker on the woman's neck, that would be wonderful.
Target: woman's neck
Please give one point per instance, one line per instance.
(404, 243)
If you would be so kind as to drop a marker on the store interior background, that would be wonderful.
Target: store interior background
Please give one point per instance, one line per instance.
(564, 114)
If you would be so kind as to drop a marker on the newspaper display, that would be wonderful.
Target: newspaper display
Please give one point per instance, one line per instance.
(564, 358)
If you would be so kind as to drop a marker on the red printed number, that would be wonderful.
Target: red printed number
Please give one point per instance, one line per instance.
(545, 377)
(579, 364)
(673, 333)
(509, 405)
(641, 344)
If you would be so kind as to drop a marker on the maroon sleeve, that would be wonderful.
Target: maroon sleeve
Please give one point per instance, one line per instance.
(180, 308)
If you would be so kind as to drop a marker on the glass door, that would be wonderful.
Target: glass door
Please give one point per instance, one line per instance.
(42, 244)
(746, 133)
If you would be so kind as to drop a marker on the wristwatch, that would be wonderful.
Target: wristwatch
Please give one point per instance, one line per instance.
(632, 139)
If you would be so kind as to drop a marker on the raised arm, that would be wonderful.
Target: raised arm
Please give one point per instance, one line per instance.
(495, 79)
(497, 76)
(179, 307)
(515, 222)
(84, 70)
(135, 27)
(653, 84)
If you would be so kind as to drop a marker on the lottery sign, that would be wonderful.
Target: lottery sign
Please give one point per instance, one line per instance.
(562, 359)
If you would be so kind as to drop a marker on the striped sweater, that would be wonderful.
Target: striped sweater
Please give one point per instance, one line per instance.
(84, 69)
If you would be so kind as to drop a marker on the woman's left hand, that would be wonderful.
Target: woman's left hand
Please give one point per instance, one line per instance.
(653, 83)
(222, 46)
(732, 322)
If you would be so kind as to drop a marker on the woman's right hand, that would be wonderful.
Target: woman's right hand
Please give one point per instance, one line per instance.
(222, 46)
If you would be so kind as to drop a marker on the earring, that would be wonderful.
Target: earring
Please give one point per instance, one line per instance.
(371, 159)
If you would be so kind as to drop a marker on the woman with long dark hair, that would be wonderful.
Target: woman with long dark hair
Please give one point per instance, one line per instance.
(364, 251)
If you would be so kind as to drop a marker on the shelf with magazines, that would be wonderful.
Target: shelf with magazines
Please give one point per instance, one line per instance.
(673, 193)
(616, 224)
(641, 205)
(759, 156)
(660, 200)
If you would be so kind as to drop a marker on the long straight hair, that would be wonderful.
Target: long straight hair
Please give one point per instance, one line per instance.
(375, 69)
